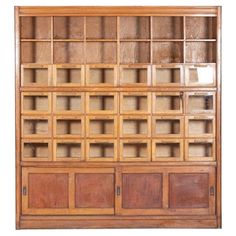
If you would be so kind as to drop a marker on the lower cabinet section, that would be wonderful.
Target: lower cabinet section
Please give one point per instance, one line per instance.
(68, 191)
(119, 192)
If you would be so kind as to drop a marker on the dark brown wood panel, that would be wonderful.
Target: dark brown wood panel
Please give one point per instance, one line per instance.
(142, 190)
(94, 190)
(189, 190)
(48, 190)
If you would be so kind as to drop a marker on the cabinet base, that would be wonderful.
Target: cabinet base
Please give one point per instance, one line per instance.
(70, 223)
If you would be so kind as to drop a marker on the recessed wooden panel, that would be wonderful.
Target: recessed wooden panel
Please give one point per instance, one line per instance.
(165, 27)
(141, 190)
(68, 52)
(94, 190)
(68, 27)
(200, 52)
(201, 27)
(35, 27)
(36, 52)
(101, 52)
(134, 27)
(189, 190)
(167, 52)
(48, 190)
(98, 27)
(134, 52)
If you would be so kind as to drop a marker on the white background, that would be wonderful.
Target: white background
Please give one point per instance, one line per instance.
(7, 125)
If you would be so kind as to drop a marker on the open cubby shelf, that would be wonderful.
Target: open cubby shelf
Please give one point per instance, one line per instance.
(127, 39)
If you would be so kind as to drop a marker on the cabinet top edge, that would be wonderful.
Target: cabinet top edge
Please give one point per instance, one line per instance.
(117, 10)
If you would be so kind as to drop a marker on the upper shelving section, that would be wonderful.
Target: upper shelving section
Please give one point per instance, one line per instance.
(115, 38)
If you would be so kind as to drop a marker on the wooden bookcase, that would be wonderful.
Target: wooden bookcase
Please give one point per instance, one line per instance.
(118, 117)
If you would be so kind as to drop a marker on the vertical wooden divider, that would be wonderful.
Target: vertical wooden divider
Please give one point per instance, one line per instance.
(85, 74)
(151, 96)
(165, 190)
(53, 74)
(71, 189)
(118, 85)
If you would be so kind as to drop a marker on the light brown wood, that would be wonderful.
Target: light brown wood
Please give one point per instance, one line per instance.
(118, 110)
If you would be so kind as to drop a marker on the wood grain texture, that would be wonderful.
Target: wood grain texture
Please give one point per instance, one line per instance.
(141, 191)
(48, 190)
(189, 190)
(94, 190)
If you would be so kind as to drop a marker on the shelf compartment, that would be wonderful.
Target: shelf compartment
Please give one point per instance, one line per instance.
(168, 75)
(134, 27)
(135, 126)
(167, 103)
(200, 52)
(167, 150)
(135, 102)
(100, 75)
(36, 150)
(101, 52)
(35, 27)
(69, 75)
(68, 52)
(200, 102)
(36, 75)
(101, 126)
(36, 52)
(68, 126)
(68, 27)
(134, 52)
(167, 126)
(68, 150)
(200, 75)
(201, 27)
(200, 126)
(167, 52)
(36, 127)
(167, 27)
(135, 150)
(35, 102)
(101, 103)
(200, 150)
(101, 27)
(68, 102)
(135, 75)
(101, 150)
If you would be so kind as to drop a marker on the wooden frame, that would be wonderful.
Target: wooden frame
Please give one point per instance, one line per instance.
(103, 128)
(171, 109)
(36, 130)
(102, 67)
(192, 156)
(36, 67)
(170, 128)
(54, 38)
(69, 118)
(209, 128)
(102, 103)
(145, 82)
(133, 110)
(167, 143)
(102, 157)
(67, 109)
(141, 134)
(68, 67)
(70, 142)
(36, 141)
(206, 75)
(137, 144)
(168, 67)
